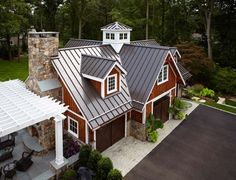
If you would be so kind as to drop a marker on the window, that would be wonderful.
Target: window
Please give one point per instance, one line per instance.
(107, 35)
(111, 83)
(125, 35)
(73, 127)
(121, 36)
(112, 36)
(163, 76)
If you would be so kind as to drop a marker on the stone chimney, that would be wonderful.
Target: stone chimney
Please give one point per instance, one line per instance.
(43, 79)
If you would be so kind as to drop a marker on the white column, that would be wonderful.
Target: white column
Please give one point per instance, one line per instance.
(59, 139)
(126, 124)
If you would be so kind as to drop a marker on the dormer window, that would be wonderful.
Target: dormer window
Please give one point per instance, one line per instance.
(112, 83)
(112, 36)
(121, 36)
(163, 76)
(107, 35)
(125, 36)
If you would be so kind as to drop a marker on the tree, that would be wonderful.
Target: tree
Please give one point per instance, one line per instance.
(12, 20)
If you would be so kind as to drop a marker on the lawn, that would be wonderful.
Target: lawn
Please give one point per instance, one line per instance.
(230, 102)
(13, 69)
(222, 107)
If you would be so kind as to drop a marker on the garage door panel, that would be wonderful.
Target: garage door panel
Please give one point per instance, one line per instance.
(111, 133)
(160, 108)
(104, 138)
(118, 129)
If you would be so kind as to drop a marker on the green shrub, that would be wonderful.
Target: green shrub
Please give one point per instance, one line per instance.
(94, 157)
(153, 124)
(69, 174)
(207, 93)
(84, 154)
(177, 106)
(104, 167)
(114, 174)
(152, 136)
(197, 88)
(180, 115)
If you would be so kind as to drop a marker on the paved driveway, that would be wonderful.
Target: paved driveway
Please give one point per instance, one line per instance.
(203, 147)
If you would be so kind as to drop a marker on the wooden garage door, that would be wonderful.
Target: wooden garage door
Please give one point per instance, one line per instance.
(160, 108)
(110, 133)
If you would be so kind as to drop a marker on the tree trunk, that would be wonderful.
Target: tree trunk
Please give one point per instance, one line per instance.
(80, 27)
(208, 33)
(147, 18)
(8, 38)
(18, 47)
(162, 20)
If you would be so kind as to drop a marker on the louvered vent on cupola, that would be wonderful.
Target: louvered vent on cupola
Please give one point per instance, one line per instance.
(116, 34)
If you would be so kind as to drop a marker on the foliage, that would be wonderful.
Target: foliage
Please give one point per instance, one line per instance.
(71, 147)
(221, 106)
(114, 174)
(177, 106)
(152, 125)
(84, 154)
(207, 93)
(230, 102)
(94, 157)
(180, 115)
(152, 136)
(224, 81)
(195, 59)
(69, 174)
(104, 167)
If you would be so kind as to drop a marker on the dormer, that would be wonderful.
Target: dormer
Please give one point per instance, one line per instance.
(116, 34)
(103, 73)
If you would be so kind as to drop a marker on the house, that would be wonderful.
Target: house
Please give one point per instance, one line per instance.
(111, 86)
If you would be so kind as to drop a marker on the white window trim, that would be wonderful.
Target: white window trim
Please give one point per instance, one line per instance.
(162, 69)
(114, 90)
(71, 132)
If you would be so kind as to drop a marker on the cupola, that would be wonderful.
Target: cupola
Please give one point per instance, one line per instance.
(116, 34)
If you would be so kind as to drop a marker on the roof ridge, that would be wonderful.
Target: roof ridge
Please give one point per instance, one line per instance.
(143, 40)
(99, 57)
(82, 47)
(91, 40)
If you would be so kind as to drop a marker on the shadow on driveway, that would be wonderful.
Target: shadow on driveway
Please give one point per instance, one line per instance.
(203, 147)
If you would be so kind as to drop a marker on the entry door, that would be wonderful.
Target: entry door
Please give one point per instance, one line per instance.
(160, 108)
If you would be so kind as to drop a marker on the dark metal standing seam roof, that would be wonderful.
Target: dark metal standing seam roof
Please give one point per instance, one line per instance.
(96, 110)
(148, 42)
(185, 73)
(96, 66)
(143, 65)
(82, 42)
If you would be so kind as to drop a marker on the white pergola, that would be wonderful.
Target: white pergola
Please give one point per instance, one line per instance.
(20, 108)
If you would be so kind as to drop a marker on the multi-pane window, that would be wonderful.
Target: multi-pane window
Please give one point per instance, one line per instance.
(125, 35)
(121, 36)
(107, 35)
(73, 127)
(111, 83)
(163, 76)
(112, 36)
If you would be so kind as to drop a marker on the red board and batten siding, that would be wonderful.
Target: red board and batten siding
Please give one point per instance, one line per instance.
(162, 88)
(72, 106)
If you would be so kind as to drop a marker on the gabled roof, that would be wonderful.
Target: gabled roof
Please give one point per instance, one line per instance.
(82, 42)
(148, 42)
(94, 108)
(185, 73)
(143, 65)
(98, 67)
(116, 26)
